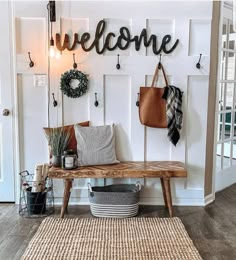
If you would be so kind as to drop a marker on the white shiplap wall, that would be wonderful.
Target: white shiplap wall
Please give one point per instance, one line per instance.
(188, 21)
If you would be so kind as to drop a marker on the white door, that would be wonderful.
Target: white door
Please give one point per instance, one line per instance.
(226, 134)
(6, 112)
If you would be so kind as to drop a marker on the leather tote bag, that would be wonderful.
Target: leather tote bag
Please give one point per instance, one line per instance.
(152, 107)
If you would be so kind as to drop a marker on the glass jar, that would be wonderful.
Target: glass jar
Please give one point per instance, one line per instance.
(69, 160)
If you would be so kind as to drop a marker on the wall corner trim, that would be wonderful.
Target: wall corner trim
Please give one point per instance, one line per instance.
(209, 199)
(211, 120)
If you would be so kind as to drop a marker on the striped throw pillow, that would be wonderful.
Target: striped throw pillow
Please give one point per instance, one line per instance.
(95, 145)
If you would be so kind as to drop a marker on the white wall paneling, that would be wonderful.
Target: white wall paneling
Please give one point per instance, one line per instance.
(31, 34)
(0, 89)
(196, 134)
(199, 29)
(117, 91)
(56, 114)
(1, 152)
(190, 22)
(33, 41)
(117, 110)
(137, 130)
(32, 102)
(75, 109)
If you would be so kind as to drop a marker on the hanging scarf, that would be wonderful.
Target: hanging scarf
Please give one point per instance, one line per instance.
(173, 97)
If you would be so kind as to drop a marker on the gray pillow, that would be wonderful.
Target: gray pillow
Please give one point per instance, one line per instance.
(95, 145)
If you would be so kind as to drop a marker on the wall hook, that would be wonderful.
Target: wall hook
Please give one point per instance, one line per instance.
(31, 64)
(159, 64)
(118, 62)
(74, 64)
(198, 65)
(54, 100)
(137, 102)
(96, 101)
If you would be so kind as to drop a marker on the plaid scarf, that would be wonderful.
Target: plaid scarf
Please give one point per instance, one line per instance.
(173, 97)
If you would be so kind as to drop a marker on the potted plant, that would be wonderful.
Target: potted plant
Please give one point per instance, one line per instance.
(58, 139)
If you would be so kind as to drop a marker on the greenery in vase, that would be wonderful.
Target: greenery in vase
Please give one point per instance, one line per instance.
(58, 140)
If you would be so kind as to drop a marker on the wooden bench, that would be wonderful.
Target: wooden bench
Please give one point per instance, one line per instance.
(156, 169)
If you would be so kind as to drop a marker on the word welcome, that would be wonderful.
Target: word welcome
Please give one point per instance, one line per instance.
(122, 42)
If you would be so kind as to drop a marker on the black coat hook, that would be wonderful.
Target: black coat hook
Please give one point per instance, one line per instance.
(198, 65)
(31, 64)
(74, 64)
(159, 64)
(54, 100)
(137, 102)
(118, 62)
(96, 101)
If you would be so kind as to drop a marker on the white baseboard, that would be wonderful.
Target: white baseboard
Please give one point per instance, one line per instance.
(209, 199)
(148, 201)
(143, 201)
(175, 201)
(180, 197)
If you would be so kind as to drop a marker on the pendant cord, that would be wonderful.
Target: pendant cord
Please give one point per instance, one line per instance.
(51, 29)
(49, 68)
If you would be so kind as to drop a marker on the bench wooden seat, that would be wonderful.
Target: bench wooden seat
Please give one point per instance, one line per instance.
(156, 169)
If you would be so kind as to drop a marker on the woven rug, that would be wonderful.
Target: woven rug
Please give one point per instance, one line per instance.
(111, 239)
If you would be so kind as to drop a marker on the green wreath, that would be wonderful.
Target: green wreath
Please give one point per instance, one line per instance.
(66, 80)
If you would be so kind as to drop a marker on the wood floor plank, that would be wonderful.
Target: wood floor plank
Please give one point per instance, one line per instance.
(215, 249)
(8, 222)
(23, 226)
(5, 208)
(10, 246)
(225, 221)
(26, 241)
(14, 224)
(212, 228)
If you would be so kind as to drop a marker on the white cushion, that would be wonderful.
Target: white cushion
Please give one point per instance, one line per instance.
(95, 145)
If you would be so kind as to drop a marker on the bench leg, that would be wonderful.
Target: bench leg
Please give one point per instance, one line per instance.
(167, 194)
(163, 191)
(66, 197)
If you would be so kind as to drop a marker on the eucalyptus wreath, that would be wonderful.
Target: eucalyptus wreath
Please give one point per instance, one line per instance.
(66, 86)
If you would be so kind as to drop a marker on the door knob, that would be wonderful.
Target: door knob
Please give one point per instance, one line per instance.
(6, 112)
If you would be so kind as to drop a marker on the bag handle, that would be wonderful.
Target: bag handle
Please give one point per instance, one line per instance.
(156, 75)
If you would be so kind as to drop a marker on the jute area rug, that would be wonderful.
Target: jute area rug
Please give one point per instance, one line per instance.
(108, 239)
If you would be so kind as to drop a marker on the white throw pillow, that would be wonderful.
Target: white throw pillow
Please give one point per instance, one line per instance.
(95, 145)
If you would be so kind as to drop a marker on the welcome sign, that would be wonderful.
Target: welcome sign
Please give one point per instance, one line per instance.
(123, 41)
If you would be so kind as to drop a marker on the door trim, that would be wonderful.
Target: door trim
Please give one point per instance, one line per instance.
(15, 113)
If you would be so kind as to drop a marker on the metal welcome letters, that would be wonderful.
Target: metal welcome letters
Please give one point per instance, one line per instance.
(123, 41)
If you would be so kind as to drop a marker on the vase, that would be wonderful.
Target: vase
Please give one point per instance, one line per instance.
(56, 160)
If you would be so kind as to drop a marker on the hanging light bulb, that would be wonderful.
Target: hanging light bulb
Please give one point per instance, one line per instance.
(52, 18)
(51, 48)
(57, 55)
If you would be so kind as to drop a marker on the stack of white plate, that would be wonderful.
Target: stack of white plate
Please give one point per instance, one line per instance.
(114, 211)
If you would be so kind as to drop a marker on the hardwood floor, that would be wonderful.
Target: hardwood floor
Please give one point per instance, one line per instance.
(212, 228)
